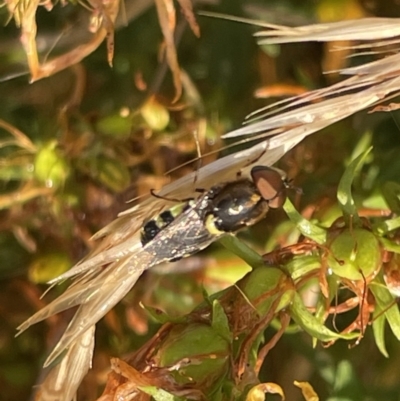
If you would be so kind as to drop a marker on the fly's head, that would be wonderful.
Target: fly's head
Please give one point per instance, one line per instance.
(271, 185)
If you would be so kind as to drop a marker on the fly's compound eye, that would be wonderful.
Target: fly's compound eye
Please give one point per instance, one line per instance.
(238, 205)
(270, 184)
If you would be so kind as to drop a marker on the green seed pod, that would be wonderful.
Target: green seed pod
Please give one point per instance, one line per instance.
(51, 167)
(264, 285)
(355, 254)
(204, 349)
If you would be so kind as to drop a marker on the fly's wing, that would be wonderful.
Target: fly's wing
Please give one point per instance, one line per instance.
(96, 297)
(131, 246)
(184, 236)
(99, 290)
(110, 290)
(187, 231)
(63, 380)
(77, 293)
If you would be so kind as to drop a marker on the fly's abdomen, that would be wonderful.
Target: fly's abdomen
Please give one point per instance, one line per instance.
(186, 235)
(164, 219)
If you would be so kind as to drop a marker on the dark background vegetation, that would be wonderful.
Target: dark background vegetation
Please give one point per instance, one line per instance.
(75, 122)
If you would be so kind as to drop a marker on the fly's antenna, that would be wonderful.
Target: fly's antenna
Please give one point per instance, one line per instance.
(166, 198)
(199, 157)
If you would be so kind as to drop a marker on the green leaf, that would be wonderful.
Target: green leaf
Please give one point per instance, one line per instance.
(385, 302)
(307, 228)
(390, 245)
(345, 376)
(393, 317)
(391, 193)
(264, 285)
(300, 266)
(17, 173)
(159, 394)
(310, 324)
(322, 305)
(115, 125)
(220, 321)
(240, 249)
(378, 328)
(388, 225)
(162, 317)
(207, 298)
(344, 194)
(362, 146)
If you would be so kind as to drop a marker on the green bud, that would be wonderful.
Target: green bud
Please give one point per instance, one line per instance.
(155, 114)
(51, 167)
(355, 254)
(206, 353)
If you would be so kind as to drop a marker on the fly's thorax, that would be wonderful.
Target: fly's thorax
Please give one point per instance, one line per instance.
(164, 219)
(233, 206)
